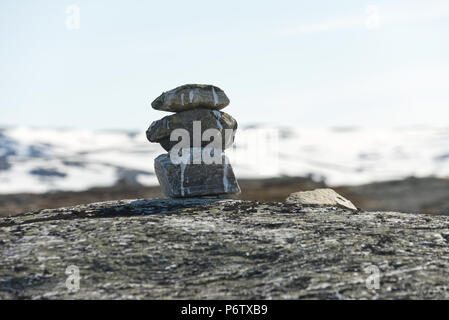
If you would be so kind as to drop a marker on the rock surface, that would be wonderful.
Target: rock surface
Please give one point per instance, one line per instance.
(324, 197)
(193, 180)
(206, 249)
(160, 130)
(191, 96)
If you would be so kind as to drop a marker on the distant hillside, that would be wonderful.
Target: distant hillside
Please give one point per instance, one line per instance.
(419, 195)
(39, 160)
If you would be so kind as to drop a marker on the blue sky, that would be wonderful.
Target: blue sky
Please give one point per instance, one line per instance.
(292, 63)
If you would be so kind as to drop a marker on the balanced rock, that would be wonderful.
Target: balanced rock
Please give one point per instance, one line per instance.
(197, 128)
(321, 198)
(188, 179)
(191, 96)
(160, 130)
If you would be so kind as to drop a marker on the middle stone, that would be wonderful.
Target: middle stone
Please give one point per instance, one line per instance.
(223, 124)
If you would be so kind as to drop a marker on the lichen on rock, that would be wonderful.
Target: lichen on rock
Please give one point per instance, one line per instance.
(222, 249)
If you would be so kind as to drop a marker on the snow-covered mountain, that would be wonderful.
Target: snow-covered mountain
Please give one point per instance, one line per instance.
(44, 159)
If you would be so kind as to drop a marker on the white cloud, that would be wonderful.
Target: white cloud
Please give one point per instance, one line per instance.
(373, 17)
(321, 26)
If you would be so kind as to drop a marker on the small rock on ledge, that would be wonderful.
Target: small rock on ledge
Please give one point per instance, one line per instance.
(321, 198)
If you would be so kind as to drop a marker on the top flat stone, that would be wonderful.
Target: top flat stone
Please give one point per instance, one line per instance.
(191, 96)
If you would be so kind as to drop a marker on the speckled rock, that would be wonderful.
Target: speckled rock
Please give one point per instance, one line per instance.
(324, 197)
(191, 96)
(222, 249)
(193, 180)
(160, 130)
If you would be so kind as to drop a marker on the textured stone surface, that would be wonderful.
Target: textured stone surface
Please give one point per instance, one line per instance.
(320, 197)
(191, 96)
(160, 130)
(209, 249)
(192, 180)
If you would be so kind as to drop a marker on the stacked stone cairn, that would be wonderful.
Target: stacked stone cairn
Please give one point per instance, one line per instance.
(195, 164)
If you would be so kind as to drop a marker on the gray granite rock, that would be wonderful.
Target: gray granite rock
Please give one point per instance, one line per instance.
(321, 198)
(192, 180)
(191, 96)
(160, 130)
(222, 249)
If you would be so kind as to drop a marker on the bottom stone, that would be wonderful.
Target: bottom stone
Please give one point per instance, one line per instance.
(193, 180)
